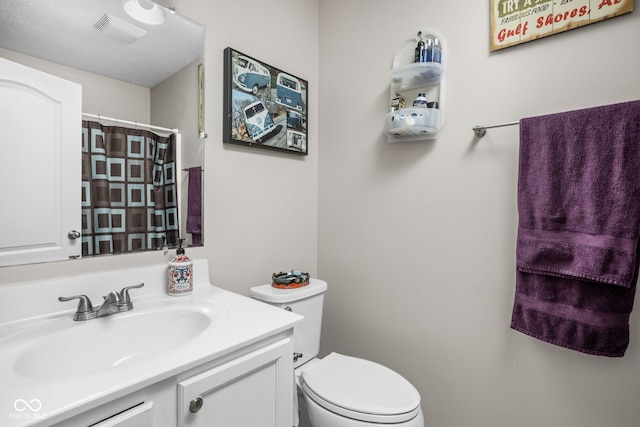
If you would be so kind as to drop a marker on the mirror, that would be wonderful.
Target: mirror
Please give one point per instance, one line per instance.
(139, 63)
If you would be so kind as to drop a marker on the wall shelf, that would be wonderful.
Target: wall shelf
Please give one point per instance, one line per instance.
(408, 79)
(413, 123)
(416, 74)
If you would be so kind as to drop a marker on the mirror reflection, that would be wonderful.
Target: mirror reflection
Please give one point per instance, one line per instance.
(140, 68)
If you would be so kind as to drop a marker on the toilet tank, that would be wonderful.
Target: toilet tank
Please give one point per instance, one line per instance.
(306, 301)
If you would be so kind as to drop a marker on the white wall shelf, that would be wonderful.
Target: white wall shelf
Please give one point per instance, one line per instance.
(408, 79)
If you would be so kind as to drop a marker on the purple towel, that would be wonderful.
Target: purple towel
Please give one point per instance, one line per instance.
(194, 205)
(579, 222)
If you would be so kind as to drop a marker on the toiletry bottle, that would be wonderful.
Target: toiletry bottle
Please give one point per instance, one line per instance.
(428, 50)
(420, 49)
(180, 273)
(420, 101)
(397, 103)
(436, 51)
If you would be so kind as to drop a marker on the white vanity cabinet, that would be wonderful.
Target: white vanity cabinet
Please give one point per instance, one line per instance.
(252, 387)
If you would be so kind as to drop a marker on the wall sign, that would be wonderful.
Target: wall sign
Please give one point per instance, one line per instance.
(518, 21)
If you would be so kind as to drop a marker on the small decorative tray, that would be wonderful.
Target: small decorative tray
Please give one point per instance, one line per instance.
(290, 280)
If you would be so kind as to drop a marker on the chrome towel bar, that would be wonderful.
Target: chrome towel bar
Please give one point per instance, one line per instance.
(481, 131)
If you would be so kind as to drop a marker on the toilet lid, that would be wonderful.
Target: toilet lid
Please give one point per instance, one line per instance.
(360, 389)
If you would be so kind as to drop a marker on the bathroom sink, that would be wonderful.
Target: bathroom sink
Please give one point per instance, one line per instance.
(67, 349)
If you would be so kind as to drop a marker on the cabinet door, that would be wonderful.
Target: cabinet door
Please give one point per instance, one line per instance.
(254, 390)
(40, 176)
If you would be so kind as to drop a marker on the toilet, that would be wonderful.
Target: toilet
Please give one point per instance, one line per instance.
(339, 390)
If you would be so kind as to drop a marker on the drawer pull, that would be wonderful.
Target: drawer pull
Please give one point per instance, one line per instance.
(195, 405)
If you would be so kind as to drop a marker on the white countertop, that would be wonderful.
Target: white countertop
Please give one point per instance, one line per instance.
(238, 321)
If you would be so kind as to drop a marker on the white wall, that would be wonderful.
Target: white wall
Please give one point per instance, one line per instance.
(416, 240)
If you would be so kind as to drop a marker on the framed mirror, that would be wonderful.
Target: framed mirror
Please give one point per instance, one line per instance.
(139, 64)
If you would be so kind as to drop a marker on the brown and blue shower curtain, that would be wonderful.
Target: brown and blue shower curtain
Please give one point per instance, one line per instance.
(129, 190)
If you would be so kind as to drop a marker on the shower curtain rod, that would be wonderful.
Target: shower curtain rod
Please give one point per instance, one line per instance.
(127, 122)
(481, 131)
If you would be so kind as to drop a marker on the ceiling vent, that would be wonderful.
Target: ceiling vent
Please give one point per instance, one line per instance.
(119, 29)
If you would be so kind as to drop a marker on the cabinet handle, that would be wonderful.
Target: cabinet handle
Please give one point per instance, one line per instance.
(195, 405)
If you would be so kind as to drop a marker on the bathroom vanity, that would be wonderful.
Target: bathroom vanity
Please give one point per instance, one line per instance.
(209, 358)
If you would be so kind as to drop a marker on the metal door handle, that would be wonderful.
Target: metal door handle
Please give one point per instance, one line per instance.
(73, 234)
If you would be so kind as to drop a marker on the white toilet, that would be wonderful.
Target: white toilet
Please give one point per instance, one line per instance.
(339, 391)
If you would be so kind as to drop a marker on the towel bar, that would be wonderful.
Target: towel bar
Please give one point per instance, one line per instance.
(481, 131)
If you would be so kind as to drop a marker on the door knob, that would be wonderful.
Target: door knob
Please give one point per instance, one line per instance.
(73, 234)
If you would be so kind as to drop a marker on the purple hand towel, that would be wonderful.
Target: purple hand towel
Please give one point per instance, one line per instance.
(579, 222)
(194, 205)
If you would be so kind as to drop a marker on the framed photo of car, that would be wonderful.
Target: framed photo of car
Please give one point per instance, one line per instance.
(264, 107)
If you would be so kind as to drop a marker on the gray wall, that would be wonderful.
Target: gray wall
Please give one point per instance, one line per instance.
(417, 240)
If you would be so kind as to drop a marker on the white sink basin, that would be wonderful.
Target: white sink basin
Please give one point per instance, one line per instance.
(67, 349)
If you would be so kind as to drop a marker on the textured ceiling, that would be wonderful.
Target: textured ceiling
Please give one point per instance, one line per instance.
(62, 31)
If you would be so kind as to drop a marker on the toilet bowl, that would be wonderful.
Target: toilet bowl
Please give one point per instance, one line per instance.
(344, 391)
(339, 390)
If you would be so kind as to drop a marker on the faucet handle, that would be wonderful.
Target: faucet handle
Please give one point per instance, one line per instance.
(126, 303)
(112, 298)
(85, 308)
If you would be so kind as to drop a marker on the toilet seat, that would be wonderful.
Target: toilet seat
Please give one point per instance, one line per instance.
(360, 389)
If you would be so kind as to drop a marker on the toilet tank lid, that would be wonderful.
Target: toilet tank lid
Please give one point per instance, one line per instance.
(268, 293)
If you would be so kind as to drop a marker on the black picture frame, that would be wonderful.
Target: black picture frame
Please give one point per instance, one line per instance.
(264, 107)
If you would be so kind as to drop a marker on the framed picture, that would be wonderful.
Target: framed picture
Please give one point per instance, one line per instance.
(264, 107)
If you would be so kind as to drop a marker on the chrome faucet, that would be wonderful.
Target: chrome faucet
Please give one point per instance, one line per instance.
(110, 304)
(114, 302)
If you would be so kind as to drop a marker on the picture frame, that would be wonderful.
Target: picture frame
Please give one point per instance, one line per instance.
(264, 107)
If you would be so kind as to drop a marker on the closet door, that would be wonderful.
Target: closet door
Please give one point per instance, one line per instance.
(40, 175)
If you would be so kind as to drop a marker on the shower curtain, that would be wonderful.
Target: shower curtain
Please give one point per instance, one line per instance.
(129, 190)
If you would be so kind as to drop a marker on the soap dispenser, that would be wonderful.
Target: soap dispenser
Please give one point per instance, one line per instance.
(180, 273)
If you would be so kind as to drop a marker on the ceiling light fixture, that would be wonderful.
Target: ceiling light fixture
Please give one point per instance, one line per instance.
(144, 11)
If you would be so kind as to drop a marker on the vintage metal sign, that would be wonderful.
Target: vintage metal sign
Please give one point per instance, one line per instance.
(518, 21)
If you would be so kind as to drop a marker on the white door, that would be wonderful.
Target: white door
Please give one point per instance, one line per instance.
(40, 169)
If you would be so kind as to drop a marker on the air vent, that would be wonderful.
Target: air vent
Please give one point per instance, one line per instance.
(119, 29)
